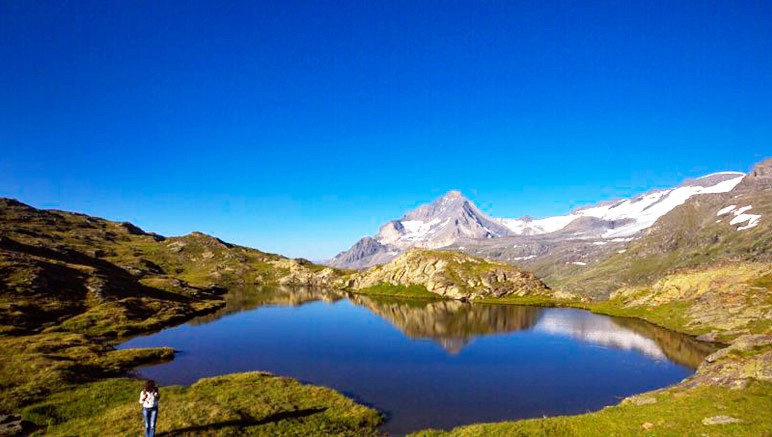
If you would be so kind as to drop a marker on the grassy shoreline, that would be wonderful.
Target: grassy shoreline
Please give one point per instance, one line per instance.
(670, 411)
(603, 308)
(247, 403)
(687, 408)
(59, 413)
(76, 384)
(54, 412)
(399, 292)
(734, 397)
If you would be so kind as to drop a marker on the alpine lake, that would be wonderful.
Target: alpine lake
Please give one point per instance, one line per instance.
(429, 363)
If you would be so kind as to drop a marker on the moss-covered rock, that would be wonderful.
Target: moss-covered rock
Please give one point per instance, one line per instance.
(720, 302)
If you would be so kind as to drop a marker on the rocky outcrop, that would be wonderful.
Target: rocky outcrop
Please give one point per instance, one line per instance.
(10, 425)
(749, 357)
(304, 274)
(761, 175)
(715, 299)
(453, 275)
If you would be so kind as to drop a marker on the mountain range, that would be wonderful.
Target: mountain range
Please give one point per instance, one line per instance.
(454, 222)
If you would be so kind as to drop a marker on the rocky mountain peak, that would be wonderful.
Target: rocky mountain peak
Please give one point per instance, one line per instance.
(442, 222)
(366, 251)
(762, 172)
(762, 169)
(453, 194)
(453, 202)
(449, 219)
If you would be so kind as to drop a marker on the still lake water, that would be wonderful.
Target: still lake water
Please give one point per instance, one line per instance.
(430, 363)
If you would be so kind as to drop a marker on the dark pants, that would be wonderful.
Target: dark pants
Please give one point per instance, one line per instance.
(150, 415)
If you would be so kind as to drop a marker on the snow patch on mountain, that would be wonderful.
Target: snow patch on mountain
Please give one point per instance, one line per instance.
(740, 216)
(416, 230)
(629, 216)
(726, 210)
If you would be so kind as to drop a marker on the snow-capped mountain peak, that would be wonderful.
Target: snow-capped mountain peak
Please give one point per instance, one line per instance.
(441, 223)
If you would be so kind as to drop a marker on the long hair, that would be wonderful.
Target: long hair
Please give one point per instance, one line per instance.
(150, 386)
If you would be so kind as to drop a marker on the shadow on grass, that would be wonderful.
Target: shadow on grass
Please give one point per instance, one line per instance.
(243, 421)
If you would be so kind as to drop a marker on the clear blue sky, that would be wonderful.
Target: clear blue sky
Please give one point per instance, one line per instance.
(298, 127)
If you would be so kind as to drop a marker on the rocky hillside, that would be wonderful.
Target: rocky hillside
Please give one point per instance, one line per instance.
(453, 275)
(72, 270)
(717, 302)
(72, 285)
(707, 230)
(624, 217)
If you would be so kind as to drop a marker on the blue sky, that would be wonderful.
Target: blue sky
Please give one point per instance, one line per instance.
(298, 127)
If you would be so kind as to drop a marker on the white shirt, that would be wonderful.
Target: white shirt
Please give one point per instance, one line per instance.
(148, 400)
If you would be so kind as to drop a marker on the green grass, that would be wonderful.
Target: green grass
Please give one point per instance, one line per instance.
(34, 366)
(402, 301)
(252, 403)
(543, 301)
(670, 315)
(676, 412)
(763, 282)
(134, 315)
(399, 291)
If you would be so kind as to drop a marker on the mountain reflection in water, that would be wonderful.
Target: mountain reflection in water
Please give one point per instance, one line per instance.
(450, 323)
(453, 324)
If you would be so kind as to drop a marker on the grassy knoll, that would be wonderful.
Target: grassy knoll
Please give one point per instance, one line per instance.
(35, 366)
(252, 403)
(669, 412)
(413, 291)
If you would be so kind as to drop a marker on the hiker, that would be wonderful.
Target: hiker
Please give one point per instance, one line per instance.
(149, 397)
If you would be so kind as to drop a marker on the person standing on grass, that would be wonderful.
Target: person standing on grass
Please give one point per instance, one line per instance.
(148, 398)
